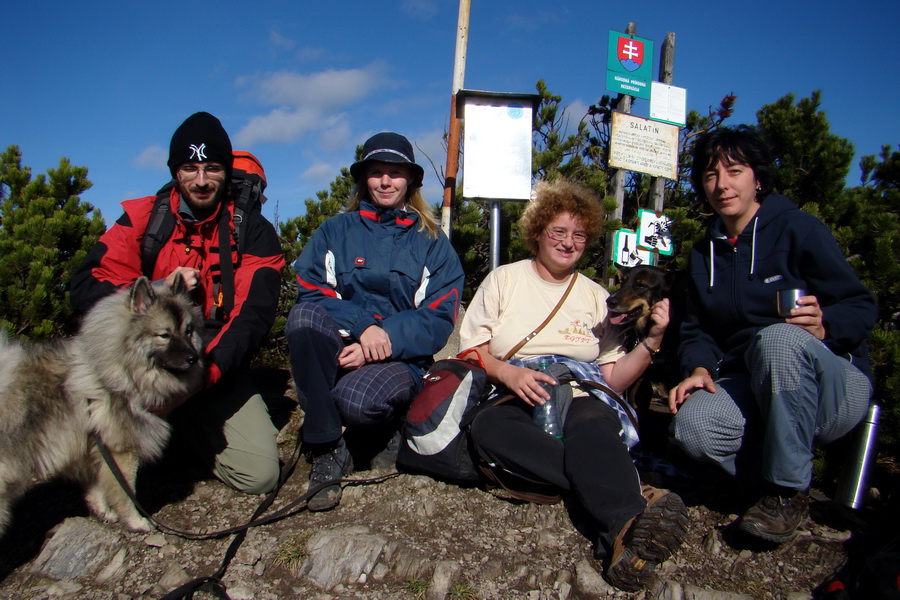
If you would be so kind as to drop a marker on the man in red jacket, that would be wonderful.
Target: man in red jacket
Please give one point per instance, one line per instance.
(227, 423)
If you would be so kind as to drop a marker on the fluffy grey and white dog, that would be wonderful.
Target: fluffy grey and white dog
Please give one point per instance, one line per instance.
(137, 354)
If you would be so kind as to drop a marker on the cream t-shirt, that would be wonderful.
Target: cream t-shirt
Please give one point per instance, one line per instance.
(513, 300)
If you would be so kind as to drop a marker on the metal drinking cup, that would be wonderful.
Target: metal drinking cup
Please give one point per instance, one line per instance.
(785, 300)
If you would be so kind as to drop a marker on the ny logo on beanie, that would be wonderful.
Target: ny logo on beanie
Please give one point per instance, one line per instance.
(198, 152)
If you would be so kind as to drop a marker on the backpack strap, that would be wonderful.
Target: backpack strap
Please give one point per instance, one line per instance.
(159, 229)
(224, 295)
(537, 330)
(248, 195)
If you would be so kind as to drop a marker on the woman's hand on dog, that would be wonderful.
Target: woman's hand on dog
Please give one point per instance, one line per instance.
(659, 316)
(808, 315)
(699, 378)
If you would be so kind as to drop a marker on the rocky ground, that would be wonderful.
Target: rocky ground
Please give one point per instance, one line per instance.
(406, 537)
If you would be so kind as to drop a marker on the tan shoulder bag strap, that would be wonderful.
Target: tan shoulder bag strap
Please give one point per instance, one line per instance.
(553, 312)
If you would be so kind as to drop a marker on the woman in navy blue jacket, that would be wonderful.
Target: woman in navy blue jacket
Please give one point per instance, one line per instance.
(379, 290)
(762, 389)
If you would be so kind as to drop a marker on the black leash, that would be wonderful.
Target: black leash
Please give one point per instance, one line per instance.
(213, 583)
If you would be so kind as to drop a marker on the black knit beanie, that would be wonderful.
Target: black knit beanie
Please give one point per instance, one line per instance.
(201, 138)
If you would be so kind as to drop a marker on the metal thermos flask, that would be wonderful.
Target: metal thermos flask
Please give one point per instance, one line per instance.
(851, 489)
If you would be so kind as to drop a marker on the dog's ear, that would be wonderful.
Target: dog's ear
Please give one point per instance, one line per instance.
(142, 295)
(178, 286)
(622, 275)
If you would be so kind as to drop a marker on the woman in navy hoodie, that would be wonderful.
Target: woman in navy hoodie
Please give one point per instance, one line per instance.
(760, 389)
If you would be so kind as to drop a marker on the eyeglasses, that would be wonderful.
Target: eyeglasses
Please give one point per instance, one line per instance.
(212, 171)
(559, 234)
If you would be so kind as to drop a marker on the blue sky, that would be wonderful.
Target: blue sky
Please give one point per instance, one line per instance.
(300, 84)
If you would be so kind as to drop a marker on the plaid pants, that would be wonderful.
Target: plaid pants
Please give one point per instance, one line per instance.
(376, 393)
(766, 423)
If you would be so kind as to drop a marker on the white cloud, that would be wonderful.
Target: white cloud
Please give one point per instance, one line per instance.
(422, 9)
(309, 53)
(282, 125)
(320, 172)
(337, 137)
(576, 111)
(281, 42)
(326, 88)
(152, 157)
(306, 103)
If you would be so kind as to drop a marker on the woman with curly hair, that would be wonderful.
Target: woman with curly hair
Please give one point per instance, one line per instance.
(635, 527)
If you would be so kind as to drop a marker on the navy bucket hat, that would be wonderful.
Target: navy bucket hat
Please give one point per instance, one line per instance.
(387, 147)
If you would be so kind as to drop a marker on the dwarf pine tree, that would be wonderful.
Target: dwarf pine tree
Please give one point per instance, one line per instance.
(45, 233)
(294, 233)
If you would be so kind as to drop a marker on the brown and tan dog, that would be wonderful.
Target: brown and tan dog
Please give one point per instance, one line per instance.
(641, 288)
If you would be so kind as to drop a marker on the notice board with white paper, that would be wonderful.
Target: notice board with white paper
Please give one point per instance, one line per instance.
(497, 146)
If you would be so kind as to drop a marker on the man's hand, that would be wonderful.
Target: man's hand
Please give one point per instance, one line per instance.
(699, 379)
(189, 275)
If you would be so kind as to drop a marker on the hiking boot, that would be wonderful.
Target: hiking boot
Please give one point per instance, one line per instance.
(387, 458)
(647, 540)
(776, 518)
(328, 465)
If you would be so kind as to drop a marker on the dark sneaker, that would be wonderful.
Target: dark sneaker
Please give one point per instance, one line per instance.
(328, 465)
(776, 518)
(647, 540)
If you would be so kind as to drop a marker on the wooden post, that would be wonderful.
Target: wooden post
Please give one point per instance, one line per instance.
(623, 104)
(459, 71)
(666, 65)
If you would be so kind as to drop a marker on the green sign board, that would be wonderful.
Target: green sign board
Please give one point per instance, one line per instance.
(629, 65)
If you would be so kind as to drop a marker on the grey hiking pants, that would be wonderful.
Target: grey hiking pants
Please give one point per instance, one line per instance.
(766, 423)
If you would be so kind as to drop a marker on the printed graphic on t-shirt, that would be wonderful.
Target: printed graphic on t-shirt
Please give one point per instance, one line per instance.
(578, 331)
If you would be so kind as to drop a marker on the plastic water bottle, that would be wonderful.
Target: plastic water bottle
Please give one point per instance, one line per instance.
(546, 416)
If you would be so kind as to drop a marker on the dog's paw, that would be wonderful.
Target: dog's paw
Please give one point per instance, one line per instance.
(100, 508)
(138, 524)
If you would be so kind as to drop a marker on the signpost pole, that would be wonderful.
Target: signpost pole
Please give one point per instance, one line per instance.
(459, 72)
(666, 65)
(623, 104)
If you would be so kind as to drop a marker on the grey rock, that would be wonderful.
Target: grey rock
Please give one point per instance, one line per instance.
(445, 573)
(64, 588)
(340, 556)
(173, 577)
(79, 548)
(241, 592)
(588, 580)
(692, 592)
(115, 569)
(664, 589)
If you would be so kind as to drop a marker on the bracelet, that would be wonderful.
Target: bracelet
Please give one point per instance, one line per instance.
(649, 349)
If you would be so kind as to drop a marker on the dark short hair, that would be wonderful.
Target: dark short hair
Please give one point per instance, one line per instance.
(736, 144)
